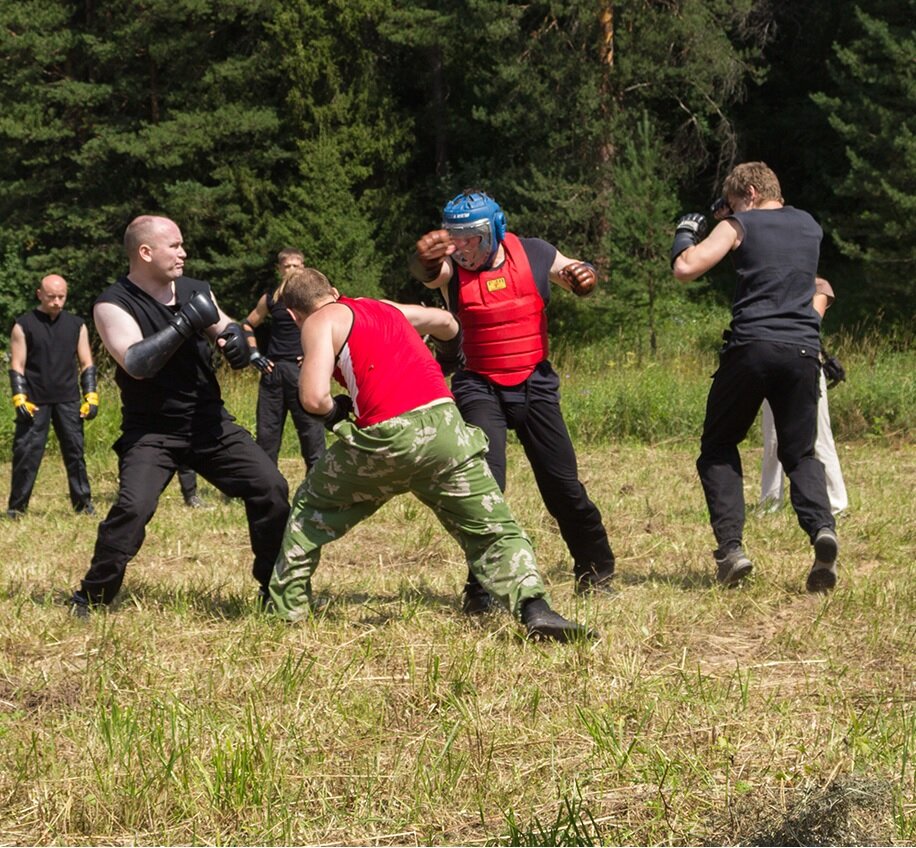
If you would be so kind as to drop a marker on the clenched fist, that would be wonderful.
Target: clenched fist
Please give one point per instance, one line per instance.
(581, 277)
(432, 248)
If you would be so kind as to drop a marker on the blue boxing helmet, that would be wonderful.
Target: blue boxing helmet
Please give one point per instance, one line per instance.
(474, 213)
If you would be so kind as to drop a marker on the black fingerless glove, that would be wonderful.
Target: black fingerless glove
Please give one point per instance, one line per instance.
(342, 407)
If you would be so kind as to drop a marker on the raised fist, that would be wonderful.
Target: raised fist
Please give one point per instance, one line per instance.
(432, 248)
(581, 277)
(690, 230)
(197, 314)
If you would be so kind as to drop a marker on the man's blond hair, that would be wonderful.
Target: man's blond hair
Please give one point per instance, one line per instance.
(757, 174)
(303, 288)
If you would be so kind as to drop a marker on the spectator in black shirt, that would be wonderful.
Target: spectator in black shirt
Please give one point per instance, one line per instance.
(278, 391)
(45, 392)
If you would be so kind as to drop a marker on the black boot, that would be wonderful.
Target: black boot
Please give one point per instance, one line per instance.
(475, 600)
(593, 576)
(542, 622)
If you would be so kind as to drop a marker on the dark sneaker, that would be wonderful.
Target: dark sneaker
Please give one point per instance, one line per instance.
(79, 605)
(193, 502)
(732, 566)
(475, 600)
(543, 623)
(593, 577)
(264, 602)
(823, 574)
(86, 509)
(14, 514)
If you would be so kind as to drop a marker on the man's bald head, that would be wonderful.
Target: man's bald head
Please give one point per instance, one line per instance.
(52, 294)
(143, 230)
(53, 281)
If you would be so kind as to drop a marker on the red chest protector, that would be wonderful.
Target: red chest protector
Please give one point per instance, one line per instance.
(503, 318)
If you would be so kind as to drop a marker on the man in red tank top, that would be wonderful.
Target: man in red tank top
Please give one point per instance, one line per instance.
(406, 436)
(498, 285)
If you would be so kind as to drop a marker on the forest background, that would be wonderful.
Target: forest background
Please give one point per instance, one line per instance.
(341, 127)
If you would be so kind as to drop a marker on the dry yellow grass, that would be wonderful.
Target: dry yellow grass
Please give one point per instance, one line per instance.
(756, 715)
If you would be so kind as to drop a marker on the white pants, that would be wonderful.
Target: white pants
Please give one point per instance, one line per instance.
(772, 483)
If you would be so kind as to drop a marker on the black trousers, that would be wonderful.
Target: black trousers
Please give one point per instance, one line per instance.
(29, 442)
(538, 422)
(187, 482)
(787, 376)
(230, 460)
(278, 393)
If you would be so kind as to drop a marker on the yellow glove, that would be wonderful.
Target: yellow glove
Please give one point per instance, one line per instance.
(25, 409)
(89, 408)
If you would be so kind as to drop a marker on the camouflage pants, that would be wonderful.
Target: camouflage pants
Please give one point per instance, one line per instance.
(432, 453)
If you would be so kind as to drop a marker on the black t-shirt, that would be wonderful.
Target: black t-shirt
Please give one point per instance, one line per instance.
(50, 369)
(184, 397)
(776, 263)
(285, 337)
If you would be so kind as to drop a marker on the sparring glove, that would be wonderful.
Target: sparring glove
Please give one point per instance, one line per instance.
(426, 262)
(582, 278)
(197, 314)
(834, 372)
(25, 409)
(235, 348)
(89, 408)
(261, 362)
(449, 354)
(342, 407)
(691, 229)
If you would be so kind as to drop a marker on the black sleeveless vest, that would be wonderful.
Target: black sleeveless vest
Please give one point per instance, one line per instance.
(184, 397)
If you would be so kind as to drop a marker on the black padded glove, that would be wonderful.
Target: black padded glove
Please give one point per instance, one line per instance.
(691, 229)
(449, 354)
(343, 406)
(197, 314)
(236, 348)
(834, 372)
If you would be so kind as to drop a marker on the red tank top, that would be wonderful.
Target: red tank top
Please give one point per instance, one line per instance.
(385, 365)
(503, 318)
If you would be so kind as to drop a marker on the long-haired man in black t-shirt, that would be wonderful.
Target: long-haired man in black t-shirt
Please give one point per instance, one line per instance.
(156, 323)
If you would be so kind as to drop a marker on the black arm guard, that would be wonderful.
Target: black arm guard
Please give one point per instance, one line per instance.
(89, 380)
(18, 383)
(145, 358)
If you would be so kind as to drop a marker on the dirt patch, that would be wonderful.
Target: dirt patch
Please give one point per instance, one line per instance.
(67, 693)
(848, 811)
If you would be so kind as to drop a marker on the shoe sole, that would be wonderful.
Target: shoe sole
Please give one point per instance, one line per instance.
(595, 584)
(559, 634)
(826, 549)
(821, 579)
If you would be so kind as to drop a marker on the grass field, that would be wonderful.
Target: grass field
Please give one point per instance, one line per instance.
(757, 716)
